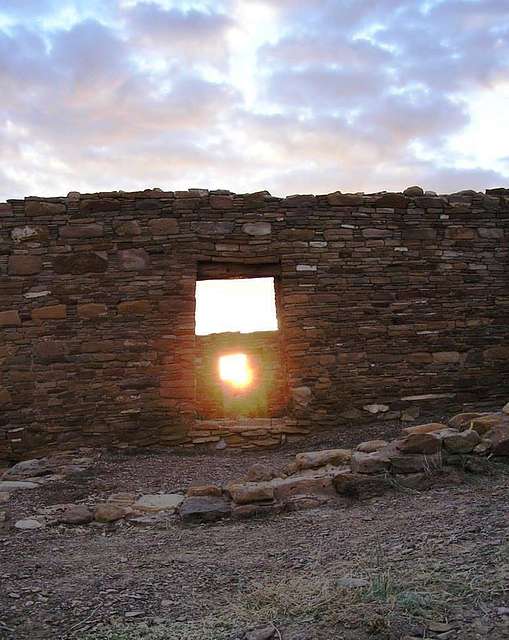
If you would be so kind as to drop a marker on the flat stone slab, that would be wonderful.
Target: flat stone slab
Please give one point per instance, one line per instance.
(204, 509)
(14, 485)
(158, 502)
(28, 523)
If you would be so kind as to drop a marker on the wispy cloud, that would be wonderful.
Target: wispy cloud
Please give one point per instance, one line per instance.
(289, 96)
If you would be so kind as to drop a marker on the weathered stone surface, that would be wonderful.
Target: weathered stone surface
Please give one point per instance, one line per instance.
(265, 632)
(10, 318)
(30, 233)
(498, 435)
(358, 485)
(204, 490)
(285, 488)
(52, 312)
(463, 420)
(505, 409)
(134, 259)
(75, 515)
(91, 310)
(244, 493)
(80, 263)
(376, 408)
(28, 524)
(486, 422)
(158, 502)
(24, 265)
(198, 509)
(257, 228)
(421, 443)
(314, 459)
(429, 427)
(95, 230)
(344, 199)
(109, 513)
(301, 396)
(128, 228)
(28, 469)
(15, 485)
(164, 226)
(260, 472)
(375, 294)
(461, 442)
(134, 307)
(412, 192)
(370, 446)
(414, 463)
(370, 463)
(49, 209)
(5, 397)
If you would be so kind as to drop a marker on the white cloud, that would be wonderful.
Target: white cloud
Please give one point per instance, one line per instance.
(250, 94)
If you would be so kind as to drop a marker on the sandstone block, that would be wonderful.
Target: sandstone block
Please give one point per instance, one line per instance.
(250, 492)
(412, 192)
(221, 202)
(370, 446)
(198, 509)
(24, 265)
(134, 307)
(357, 485)
(82, 262)
(260, 472)
(92, 310)
(505, 408)
(164, 226)
(109, 513)
(47, 351)
(257, 228)
(460, 233)
(499, 352)
(102, 205)
(78, 231)
(148, 204)
(315, 459)
(204, 490)
(301, 396)
(414, 463)
(128, 228)
(10, 318)
(30, 234)
(52, 312)
(134, 259)
(49, 209)
(421, 443)
(158, 502)
(75, 515)
(296, 485)
(5, 397)
(344, 199)
(372, 234)
(429, 427)
(369, 463)
(461, 442)
(392, 201)
(446, 357)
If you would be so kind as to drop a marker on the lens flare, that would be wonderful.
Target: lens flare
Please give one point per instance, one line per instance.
(234, 369)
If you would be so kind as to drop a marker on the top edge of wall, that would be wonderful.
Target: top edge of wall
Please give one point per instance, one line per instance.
(336, 197)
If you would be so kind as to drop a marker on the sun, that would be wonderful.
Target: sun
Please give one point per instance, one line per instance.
(235, 370)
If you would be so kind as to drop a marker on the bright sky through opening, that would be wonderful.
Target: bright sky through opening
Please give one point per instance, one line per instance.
(244, 305)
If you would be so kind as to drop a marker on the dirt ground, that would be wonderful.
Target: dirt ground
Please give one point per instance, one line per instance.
(406, 565)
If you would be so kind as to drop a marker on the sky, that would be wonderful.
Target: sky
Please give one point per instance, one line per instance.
(292, 96)
(244, 305)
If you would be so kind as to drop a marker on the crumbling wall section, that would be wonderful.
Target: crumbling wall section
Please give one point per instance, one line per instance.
(387, 301)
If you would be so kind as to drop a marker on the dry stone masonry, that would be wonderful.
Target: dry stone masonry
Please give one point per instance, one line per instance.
(388, 304)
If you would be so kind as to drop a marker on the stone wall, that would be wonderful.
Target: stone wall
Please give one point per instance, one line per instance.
(387, 303)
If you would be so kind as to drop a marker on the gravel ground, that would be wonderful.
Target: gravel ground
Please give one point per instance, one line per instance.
(407, 565)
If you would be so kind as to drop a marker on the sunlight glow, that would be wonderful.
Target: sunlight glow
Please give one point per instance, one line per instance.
(243, 305)
(235, 370)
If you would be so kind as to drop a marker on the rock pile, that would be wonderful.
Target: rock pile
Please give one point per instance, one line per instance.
(423, 455)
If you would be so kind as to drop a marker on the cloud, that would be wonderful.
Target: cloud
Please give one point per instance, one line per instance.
(181, 34)
(342, 94)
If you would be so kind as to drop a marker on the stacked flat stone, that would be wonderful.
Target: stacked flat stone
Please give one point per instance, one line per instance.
(396, 300)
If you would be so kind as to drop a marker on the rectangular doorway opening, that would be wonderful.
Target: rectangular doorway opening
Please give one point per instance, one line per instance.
(240, 370)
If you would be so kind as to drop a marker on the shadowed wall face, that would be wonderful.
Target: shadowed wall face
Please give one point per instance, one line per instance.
(387, 304)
